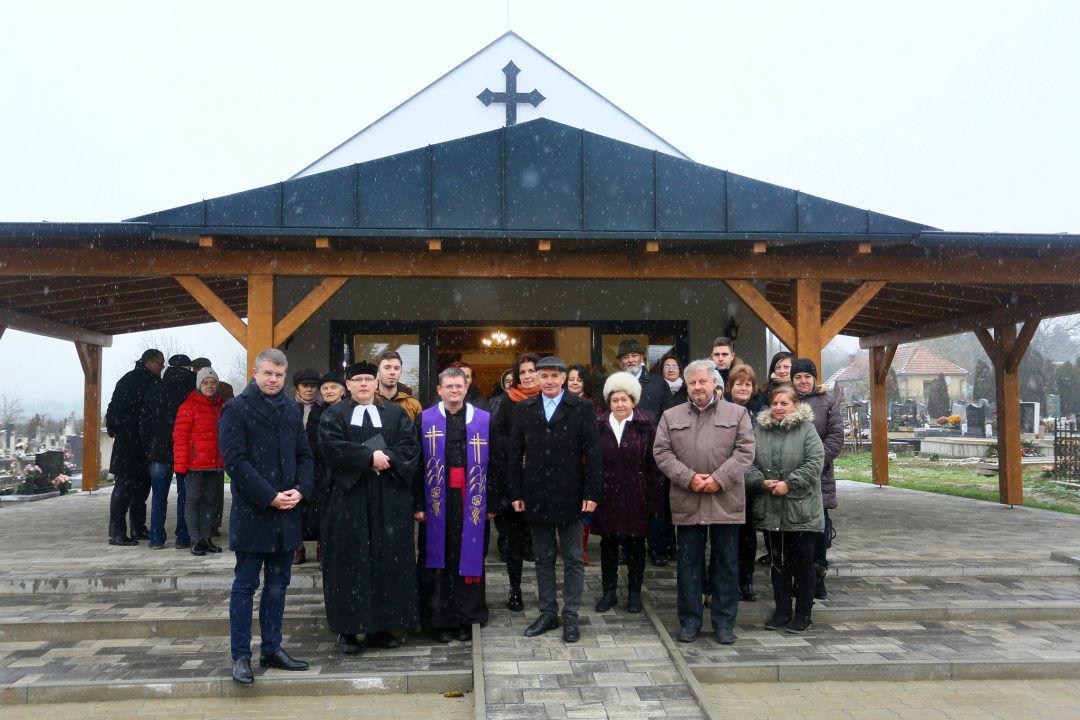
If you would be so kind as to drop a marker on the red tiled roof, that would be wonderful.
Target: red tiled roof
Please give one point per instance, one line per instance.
(909, 360)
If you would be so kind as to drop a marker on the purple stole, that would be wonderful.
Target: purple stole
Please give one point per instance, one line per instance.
(433, 442)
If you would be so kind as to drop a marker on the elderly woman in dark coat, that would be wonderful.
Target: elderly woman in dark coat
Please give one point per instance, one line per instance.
(632, 492)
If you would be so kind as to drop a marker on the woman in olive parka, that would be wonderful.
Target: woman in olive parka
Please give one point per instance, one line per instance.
(785, 481)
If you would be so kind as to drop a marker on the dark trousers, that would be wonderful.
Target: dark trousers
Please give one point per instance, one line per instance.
(277, 571)
(661, 531)
(161, 475)
(124, 503)
(517, 534)
(823, 543)
(609, 561)
(793, 570)
(203, 486)
(723, 574)
(569, 545)
(747, 549)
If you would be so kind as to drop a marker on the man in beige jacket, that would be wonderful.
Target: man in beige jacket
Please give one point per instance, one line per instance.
(704, 447)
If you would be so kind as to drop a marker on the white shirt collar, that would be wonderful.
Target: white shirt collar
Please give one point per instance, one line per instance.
(468, 411)
(372, 412)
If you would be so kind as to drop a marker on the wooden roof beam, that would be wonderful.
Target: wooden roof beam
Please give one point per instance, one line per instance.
(51, 328)
(307, 307)
(756, 302)
(1063, 305)
(848, 309)
(215, 306)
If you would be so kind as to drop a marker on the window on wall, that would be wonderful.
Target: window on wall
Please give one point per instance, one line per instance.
(656, 345)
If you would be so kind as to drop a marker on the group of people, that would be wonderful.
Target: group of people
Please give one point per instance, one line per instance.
(660, 464)
(165, 423)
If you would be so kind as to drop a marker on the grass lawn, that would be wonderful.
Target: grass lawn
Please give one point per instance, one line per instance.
(950, 477)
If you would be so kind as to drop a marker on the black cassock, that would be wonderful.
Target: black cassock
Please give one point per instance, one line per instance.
(369, 564)
(449, 601)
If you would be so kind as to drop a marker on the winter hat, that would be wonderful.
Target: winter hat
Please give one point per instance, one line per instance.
(199, 363)
(305, 375)
(552, 363)
(332, 377)
(361, 368)
(206, 372)
(803, 365)
(624, 382)
(630, 345)
(179, 361)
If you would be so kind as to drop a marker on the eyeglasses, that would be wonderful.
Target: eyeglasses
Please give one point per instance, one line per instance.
(362, 379)
(671, 367)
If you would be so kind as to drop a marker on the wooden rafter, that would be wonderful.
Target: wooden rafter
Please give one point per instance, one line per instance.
(764, 310)
(215, 306)
(51, 328)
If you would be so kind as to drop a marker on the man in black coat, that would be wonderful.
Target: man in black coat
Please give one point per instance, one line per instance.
(157, 420)
(269, 463)
(631, 358)
(129, 463)
(554, 477)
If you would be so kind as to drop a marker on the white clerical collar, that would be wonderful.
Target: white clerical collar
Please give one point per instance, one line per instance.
(468, 411)
(372, 412)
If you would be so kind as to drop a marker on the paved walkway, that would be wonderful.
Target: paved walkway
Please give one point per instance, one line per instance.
(923, 587)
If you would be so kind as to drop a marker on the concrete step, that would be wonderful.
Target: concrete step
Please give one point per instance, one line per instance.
(124, 669)
(892, 651)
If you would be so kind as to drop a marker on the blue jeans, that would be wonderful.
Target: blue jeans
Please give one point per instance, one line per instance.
(160, 479)
(277, 569)
(723, 574)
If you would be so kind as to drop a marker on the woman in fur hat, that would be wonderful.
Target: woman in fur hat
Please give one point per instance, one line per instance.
(633, 490)
(786, 482)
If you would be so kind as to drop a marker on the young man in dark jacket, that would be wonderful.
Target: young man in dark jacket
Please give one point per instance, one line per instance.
(268, 460)
(554, 477)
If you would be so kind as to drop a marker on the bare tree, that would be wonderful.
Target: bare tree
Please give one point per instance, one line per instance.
(11, 409)
(236, 373)
(166, 342)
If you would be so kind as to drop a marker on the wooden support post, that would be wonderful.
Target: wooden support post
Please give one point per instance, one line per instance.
(764, 310)
(90, 359)
(806, 311)
(881, 358)
(260, 324)
(1010, 471)
(849, 309)
(215, 306)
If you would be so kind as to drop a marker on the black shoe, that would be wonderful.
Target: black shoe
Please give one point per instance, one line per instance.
(687, 635)
(502, 555)
(778, 621)
(725, 637)
(464, 633)
(529, 555)
(633, 601)
(765, 559)
(513, 601)
(659, 561)
(211, 547)
(746, 592)
(300, 556)
(799, 625)
(542, 625)
(385, 640)
(570, 632)
(606, 601)
(282, 661)
(199, 548)
(122, 540)
(241, 671)
(143, 534)
(820, 592)
(443, 635)
(349, 644)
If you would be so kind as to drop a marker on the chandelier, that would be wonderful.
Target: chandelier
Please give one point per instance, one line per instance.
(498, 340)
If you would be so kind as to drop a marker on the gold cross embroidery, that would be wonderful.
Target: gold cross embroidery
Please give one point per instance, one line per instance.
(431, 435)
(476, 443)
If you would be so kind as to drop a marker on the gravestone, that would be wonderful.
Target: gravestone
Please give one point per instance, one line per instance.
(975, 416)
(1029, 417)
(75, 445)
(1053, 406)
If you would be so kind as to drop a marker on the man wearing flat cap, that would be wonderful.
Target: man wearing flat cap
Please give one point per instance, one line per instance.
(554, 477)
(369, 561)
(158, 418)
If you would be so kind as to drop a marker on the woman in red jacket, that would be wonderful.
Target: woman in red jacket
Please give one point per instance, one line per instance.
(196, 455)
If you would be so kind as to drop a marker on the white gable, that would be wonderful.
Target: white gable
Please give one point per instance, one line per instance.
(449, 109)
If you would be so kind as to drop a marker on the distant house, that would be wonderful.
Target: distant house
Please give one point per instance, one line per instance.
(915, 366)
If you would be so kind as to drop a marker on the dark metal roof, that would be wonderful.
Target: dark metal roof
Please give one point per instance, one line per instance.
(539, 176)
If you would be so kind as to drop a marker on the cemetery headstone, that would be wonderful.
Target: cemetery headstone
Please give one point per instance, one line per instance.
(976, 420)
(1029, 417)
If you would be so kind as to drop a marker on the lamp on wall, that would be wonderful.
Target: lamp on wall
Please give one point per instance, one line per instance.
(731, 330)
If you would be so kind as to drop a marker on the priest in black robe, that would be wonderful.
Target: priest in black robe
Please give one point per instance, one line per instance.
(454, 503)
(369, 562)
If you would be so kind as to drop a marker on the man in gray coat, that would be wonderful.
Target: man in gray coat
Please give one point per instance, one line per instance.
(704, 447)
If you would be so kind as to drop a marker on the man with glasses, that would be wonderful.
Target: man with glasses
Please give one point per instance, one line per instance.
(369, 562)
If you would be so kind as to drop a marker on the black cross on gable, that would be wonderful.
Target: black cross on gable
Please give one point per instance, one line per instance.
(511, 97)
